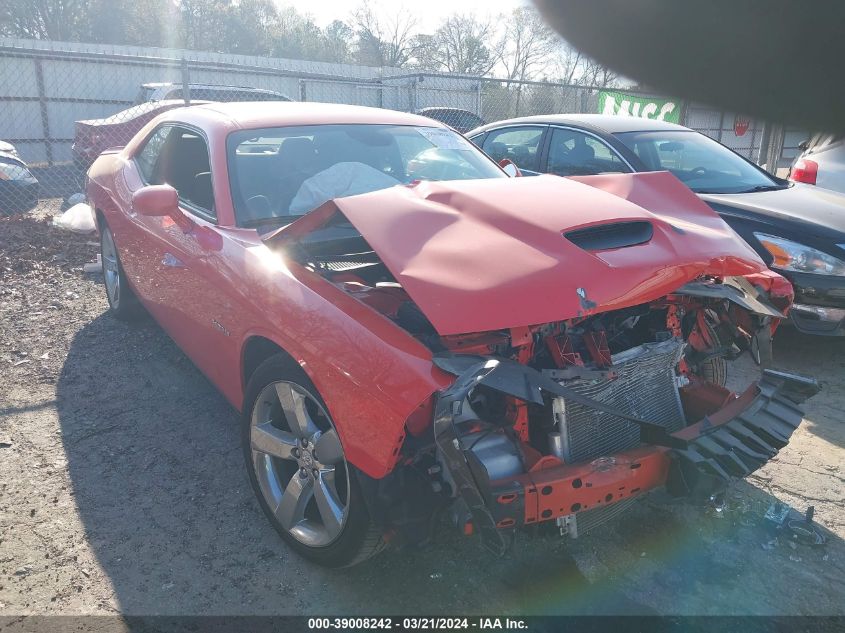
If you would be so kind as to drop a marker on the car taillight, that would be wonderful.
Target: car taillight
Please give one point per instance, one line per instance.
(805, 171)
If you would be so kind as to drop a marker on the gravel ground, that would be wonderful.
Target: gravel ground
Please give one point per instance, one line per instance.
(122, 491)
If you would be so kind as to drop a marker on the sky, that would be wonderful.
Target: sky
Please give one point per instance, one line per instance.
(428, 13)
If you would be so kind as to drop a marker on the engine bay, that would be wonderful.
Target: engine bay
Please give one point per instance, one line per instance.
(695, 335)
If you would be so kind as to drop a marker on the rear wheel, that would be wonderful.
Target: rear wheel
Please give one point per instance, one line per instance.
(123, 304)
(298, 469)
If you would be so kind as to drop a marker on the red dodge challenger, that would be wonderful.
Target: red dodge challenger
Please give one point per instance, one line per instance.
(410, 333)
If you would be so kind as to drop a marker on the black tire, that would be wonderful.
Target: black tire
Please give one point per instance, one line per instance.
(714, 369)
(123, 304)
(359, 538)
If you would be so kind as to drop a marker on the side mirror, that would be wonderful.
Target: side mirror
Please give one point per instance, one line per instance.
(803, 145)
(510, 168)
(156, 201)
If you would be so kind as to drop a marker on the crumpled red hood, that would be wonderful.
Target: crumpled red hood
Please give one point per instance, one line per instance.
(482, 255)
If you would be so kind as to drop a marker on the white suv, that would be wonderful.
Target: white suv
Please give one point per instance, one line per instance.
(206, 92)
(822, 162)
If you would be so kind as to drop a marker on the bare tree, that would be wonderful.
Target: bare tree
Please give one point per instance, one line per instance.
(568, 64)
(338, 38)
(461, 44)
(298, 36)
(251, 27)
(44, 19)
(202, 23)
(527, 44)
(384, 40)
(526, 48)
(598, 75)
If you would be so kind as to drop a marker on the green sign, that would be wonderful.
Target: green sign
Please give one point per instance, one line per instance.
(621, 104)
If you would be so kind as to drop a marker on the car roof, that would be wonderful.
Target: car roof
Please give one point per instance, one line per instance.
(171, 84)
(445, 109)
(607, 123)
(260, 114)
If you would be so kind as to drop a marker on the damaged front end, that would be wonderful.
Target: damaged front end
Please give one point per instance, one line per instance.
(580, 363)
(596, 461)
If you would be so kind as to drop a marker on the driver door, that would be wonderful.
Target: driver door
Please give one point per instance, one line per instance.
(179, 269)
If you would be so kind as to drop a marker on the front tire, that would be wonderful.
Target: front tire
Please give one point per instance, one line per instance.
(123, 304)
(298, 470)
(715, 368)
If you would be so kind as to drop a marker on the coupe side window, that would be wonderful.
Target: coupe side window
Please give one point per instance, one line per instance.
(179, 157)
(519, 144)
(573, 153)
(147, 158)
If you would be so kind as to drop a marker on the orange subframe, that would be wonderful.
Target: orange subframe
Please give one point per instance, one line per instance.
(554, 489)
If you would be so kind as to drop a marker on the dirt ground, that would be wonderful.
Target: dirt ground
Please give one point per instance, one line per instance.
(122, 490)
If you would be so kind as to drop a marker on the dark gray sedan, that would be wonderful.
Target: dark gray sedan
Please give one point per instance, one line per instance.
(799, 230)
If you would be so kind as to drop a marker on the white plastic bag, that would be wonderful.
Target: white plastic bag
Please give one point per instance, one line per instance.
(79, 219)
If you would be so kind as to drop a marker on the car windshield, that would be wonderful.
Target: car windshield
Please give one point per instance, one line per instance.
(703, 165)
(281, 173)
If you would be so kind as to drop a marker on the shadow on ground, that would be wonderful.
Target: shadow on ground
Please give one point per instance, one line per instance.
(158, 478)
(807, 354)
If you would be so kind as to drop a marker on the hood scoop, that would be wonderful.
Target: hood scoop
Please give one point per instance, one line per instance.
(604, 237)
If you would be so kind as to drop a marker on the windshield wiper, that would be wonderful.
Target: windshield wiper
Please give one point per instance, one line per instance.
(764, 188)
(752, 190)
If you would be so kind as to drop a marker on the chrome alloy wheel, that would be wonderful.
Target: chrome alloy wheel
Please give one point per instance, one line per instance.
(111, 272)
(299, 463)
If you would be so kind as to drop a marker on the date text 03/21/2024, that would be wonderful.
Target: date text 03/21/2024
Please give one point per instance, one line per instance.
(413, 624)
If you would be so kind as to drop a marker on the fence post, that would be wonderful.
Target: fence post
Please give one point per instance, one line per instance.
(478, 98)
(754, 132)
(412, 94)
(682, 117)
(42, 106)
(302, 94)
(776, 141)
(763, 154)
(186, 82)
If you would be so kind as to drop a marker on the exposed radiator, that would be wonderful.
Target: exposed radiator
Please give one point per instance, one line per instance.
(645, 386)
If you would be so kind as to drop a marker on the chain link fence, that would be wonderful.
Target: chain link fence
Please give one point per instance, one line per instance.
(64, 103)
